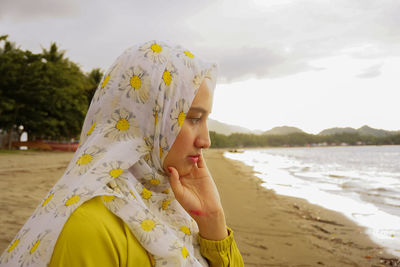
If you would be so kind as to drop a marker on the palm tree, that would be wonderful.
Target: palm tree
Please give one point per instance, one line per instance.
(53, 54)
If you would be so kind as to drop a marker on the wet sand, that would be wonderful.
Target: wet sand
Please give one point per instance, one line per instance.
(270, 230)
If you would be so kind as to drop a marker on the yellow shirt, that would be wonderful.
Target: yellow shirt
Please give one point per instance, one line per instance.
(94, 236)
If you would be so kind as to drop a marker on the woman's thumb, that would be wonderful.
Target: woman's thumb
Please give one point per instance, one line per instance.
(174, 181)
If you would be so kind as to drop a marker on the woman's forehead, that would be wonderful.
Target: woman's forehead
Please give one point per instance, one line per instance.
(203, 99)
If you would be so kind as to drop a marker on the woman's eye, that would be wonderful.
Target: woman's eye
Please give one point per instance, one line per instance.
(195, 120)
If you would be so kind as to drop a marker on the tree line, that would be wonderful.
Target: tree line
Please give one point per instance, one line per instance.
(45, 92)
(241, 140)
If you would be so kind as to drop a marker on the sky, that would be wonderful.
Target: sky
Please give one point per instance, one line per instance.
(311, 64)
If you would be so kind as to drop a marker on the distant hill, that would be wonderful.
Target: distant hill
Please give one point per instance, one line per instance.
(365, 130)
(337, 130)
(283, 130)
(227, 129)
(223, 128)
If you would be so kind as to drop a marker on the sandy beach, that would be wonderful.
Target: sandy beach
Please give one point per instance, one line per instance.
(270, 230)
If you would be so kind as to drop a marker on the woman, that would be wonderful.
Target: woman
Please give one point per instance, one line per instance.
(137, 191)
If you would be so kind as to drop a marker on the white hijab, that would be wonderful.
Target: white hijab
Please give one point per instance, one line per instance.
(133, 120)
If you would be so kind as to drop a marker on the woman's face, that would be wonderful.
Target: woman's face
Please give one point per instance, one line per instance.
(193, 135)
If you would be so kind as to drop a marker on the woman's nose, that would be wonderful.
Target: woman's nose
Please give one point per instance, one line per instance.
(203, 139)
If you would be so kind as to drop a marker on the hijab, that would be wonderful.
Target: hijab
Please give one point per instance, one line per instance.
(133, 120)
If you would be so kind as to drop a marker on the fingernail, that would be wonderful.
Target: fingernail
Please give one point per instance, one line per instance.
(169, 169)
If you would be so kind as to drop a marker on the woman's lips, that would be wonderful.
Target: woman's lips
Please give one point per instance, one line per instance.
(194, 159)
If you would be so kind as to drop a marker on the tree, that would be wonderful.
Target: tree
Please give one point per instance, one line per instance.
(53, 54)
(61, 99)
(12, 64)
(46, 92)
(94, 77)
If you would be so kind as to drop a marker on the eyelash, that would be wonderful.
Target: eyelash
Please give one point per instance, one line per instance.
(195, 120)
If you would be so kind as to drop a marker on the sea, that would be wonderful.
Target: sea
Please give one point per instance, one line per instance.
(361, 182)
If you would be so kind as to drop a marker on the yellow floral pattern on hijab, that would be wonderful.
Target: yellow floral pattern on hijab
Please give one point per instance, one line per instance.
(134, 118)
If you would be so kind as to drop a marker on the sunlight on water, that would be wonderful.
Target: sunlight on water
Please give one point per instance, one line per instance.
(363, 183)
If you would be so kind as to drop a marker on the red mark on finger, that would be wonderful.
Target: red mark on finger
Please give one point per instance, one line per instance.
(197, 212)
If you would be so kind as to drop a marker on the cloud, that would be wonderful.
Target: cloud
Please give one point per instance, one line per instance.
(247, 38)
(371, 72)
(152, 11)
(278, 40)
(241, 63)
(32, 10)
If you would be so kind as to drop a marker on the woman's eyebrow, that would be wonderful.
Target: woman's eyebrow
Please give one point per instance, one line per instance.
(199, 109)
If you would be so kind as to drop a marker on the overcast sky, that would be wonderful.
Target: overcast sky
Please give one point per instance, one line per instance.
(311, 64)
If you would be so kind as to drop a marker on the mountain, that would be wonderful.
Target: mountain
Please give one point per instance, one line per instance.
(337, 130)
(365, 130)
(282, 130)
(227, 129)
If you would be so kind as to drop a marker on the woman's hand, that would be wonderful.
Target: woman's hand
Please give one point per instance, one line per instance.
(198, 195)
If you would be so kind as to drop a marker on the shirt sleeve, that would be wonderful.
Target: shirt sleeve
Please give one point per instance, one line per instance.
(221, 253)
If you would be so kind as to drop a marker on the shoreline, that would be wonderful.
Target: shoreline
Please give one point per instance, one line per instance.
(348, 192)
(278, 230)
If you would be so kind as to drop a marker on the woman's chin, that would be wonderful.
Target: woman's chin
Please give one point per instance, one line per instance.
(185, 170)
